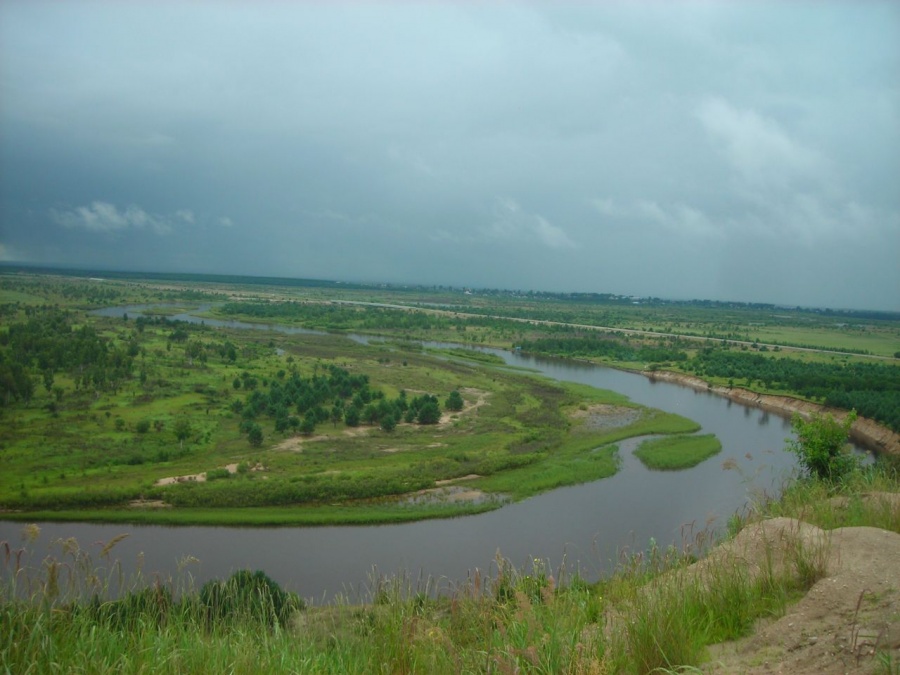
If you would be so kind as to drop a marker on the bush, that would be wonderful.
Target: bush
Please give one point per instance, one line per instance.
(152, 604)
(247, 595)
(821, 446)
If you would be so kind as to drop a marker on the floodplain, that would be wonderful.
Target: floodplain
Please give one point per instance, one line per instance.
(148, 418)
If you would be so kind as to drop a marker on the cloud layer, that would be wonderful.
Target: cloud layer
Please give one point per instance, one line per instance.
(743, 150)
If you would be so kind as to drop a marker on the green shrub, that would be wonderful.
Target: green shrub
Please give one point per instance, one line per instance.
(150, 605)
(248, 596)
(821, 446)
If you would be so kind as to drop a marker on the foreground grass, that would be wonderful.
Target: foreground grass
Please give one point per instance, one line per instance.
(654, 614)
(677, 452)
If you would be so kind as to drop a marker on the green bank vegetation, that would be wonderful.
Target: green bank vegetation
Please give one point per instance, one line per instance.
(657, 612)
(677, 452)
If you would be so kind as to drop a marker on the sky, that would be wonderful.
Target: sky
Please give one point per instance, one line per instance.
(741, 150)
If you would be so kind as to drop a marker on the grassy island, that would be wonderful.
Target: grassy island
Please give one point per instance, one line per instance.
(677, 452)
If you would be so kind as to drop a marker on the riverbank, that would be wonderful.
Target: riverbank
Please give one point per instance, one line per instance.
(866, 432)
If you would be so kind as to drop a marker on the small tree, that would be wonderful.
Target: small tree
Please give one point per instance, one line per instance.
(351, 416)
(454, 401)
(821, 445)
(182, 431)
(255, 435)
(388, 423)
(429, 413)
(308, 425)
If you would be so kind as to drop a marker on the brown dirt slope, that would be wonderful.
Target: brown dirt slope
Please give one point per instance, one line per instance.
(849, 621)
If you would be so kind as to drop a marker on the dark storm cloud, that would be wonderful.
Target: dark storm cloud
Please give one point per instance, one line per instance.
(739, 150)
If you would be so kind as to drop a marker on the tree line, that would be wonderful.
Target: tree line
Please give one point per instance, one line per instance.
(873, 389)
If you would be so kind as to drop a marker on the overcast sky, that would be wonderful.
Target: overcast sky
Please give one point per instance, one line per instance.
(733, 150)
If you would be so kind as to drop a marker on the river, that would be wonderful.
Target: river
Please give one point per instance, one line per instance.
(585, 527)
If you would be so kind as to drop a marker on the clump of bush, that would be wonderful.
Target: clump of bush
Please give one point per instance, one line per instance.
(248, 596)
(147, 606)
(821, 446)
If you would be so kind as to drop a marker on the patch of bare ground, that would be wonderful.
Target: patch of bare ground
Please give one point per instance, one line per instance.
(848, 621)
(149, 504)
(451, 481)
(196, 477)
(295, 443)
(602, 416)
(448, 491)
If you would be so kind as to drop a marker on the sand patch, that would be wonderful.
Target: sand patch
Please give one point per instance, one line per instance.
(149, 504)
(295, 443)
(196, 477)
(451, 481)
(842, 622)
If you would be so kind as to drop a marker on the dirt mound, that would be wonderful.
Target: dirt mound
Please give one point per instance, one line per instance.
(849, 621)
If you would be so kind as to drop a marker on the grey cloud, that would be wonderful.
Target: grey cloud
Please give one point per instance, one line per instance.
(622, 147)
(511, 222)
(104, 217)
(677, 218)
(757, 147)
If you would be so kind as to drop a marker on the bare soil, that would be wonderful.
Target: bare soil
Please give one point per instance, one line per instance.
(196, 477)
(849, 621)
